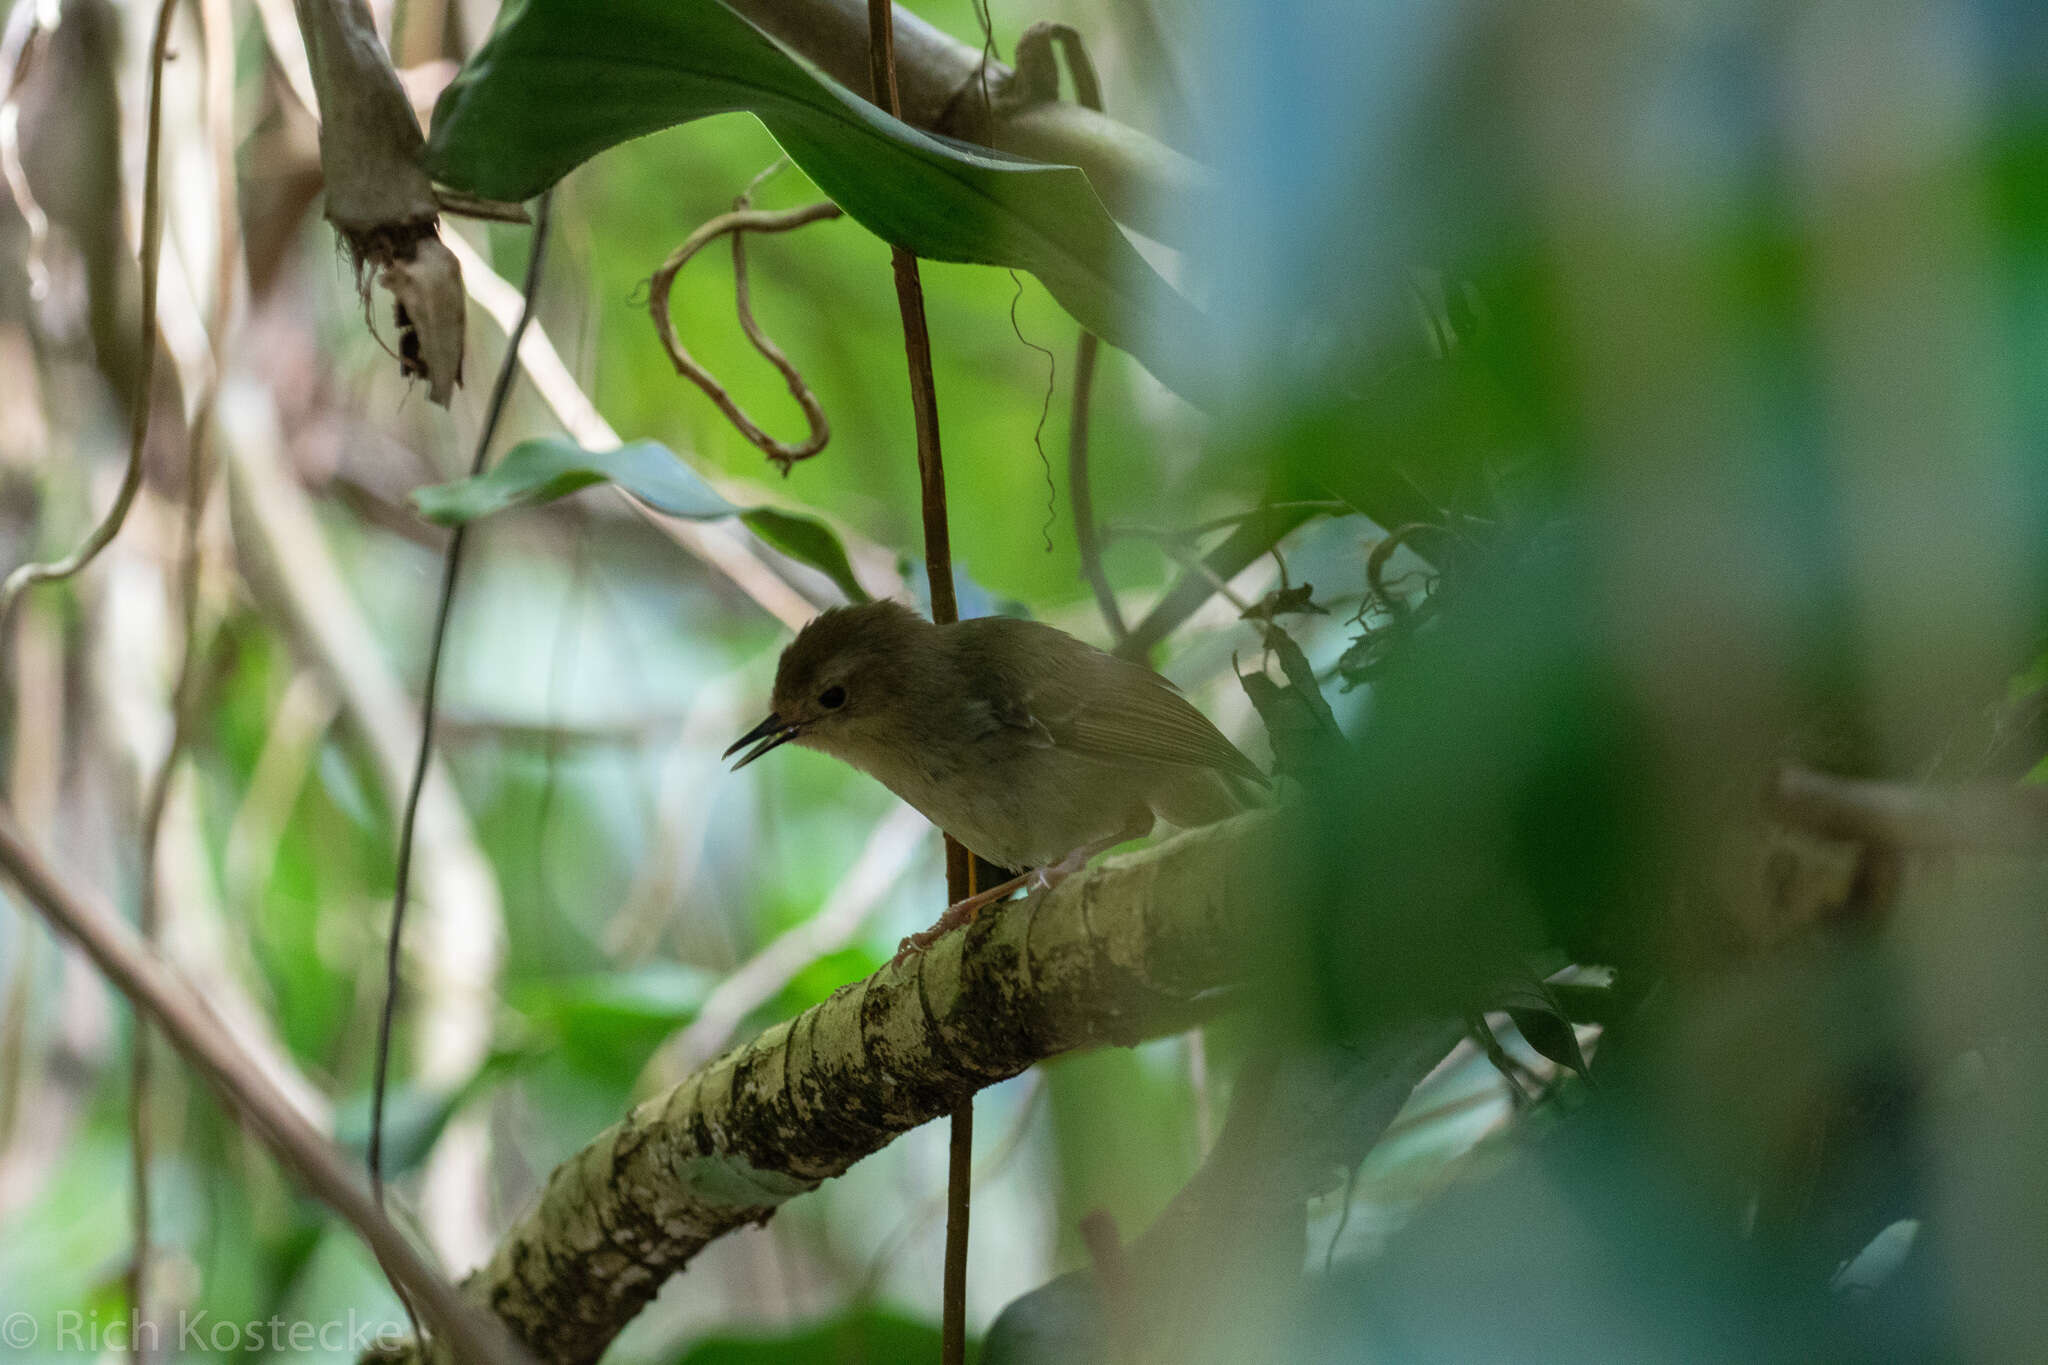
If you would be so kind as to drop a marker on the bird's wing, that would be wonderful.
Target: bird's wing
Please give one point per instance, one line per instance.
(1096, 704)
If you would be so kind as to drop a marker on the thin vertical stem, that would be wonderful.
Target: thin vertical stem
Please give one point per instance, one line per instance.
(451, 569)
(142, 1140)
(1087, 536)
(959, 1185)
(924, 404)
(938, 557)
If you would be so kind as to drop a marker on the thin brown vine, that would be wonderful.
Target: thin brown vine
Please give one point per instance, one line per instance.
(739, 222)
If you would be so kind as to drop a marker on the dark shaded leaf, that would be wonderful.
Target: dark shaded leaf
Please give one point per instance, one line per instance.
(1301, 679)
(1551, 1035)
(1299, 743)
(1058, 1323)
(1304, 732)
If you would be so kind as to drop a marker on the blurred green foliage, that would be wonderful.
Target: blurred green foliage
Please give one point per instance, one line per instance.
(1693, 351)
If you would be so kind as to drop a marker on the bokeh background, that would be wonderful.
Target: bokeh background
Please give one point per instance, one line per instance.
(1693, 350)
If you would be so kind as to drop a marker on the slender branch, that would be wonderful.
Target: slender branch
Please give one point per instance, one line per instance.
(738, 223)
(33, 778)
(28, 575)
(1186, 534)
(1985, 818)
(451, 568)
(959, 1196)
(992, 1164)
(261, 1107)
(218, 74)
(917, 346)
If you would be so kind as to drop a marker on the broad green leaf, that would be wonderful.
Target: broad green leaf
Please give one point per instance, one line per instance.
(551, 88)
(539, 471)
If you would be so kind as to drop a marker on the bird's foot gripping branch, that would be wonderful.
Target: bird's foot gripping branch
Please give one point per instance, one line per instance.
(1133, 948)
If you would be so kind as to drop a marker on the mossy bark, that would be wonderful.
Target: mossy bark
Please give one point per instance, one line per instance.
(1125, 951)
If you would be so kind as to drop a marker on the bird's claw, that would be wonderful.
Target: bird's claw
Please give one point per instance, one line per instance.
(1036, 883)
(960, 913)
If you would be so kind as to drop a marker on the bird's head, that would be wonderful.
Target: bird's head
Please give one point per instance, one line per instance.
(845, 681)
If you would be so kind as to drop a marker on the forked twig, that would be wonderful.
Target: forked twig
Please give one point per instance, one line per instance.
(740, 221)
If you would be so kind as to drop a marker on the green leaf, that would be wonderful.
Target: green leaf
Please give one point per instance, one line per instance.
(550, 88)
(809, 541)
(859, 1338)
(1551, 1035)
(1058, 1323)
(539, 471)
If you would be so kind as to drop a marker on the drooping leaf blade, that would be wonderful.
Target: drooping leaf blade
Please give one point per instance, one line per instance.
(550, 89)
(807, 540)
(542, 470)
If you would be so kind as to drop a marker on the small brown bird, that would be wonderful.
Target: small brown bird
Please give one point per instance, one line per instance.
(1033, 749)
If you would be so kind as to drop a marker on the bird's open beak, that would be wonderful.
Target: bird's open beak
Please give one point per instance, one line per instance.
(770, 732)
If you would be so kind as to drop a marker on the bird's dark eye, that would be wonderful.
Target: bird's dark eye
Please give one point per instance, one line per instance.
(832, 698)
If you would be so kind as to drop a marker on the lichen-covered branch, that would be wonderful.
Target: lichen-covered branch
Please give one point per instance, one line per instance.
(1131, 949)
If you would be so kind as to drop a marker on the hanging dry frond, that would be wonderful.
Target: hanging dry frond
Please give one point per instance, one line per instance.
(379, 196)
